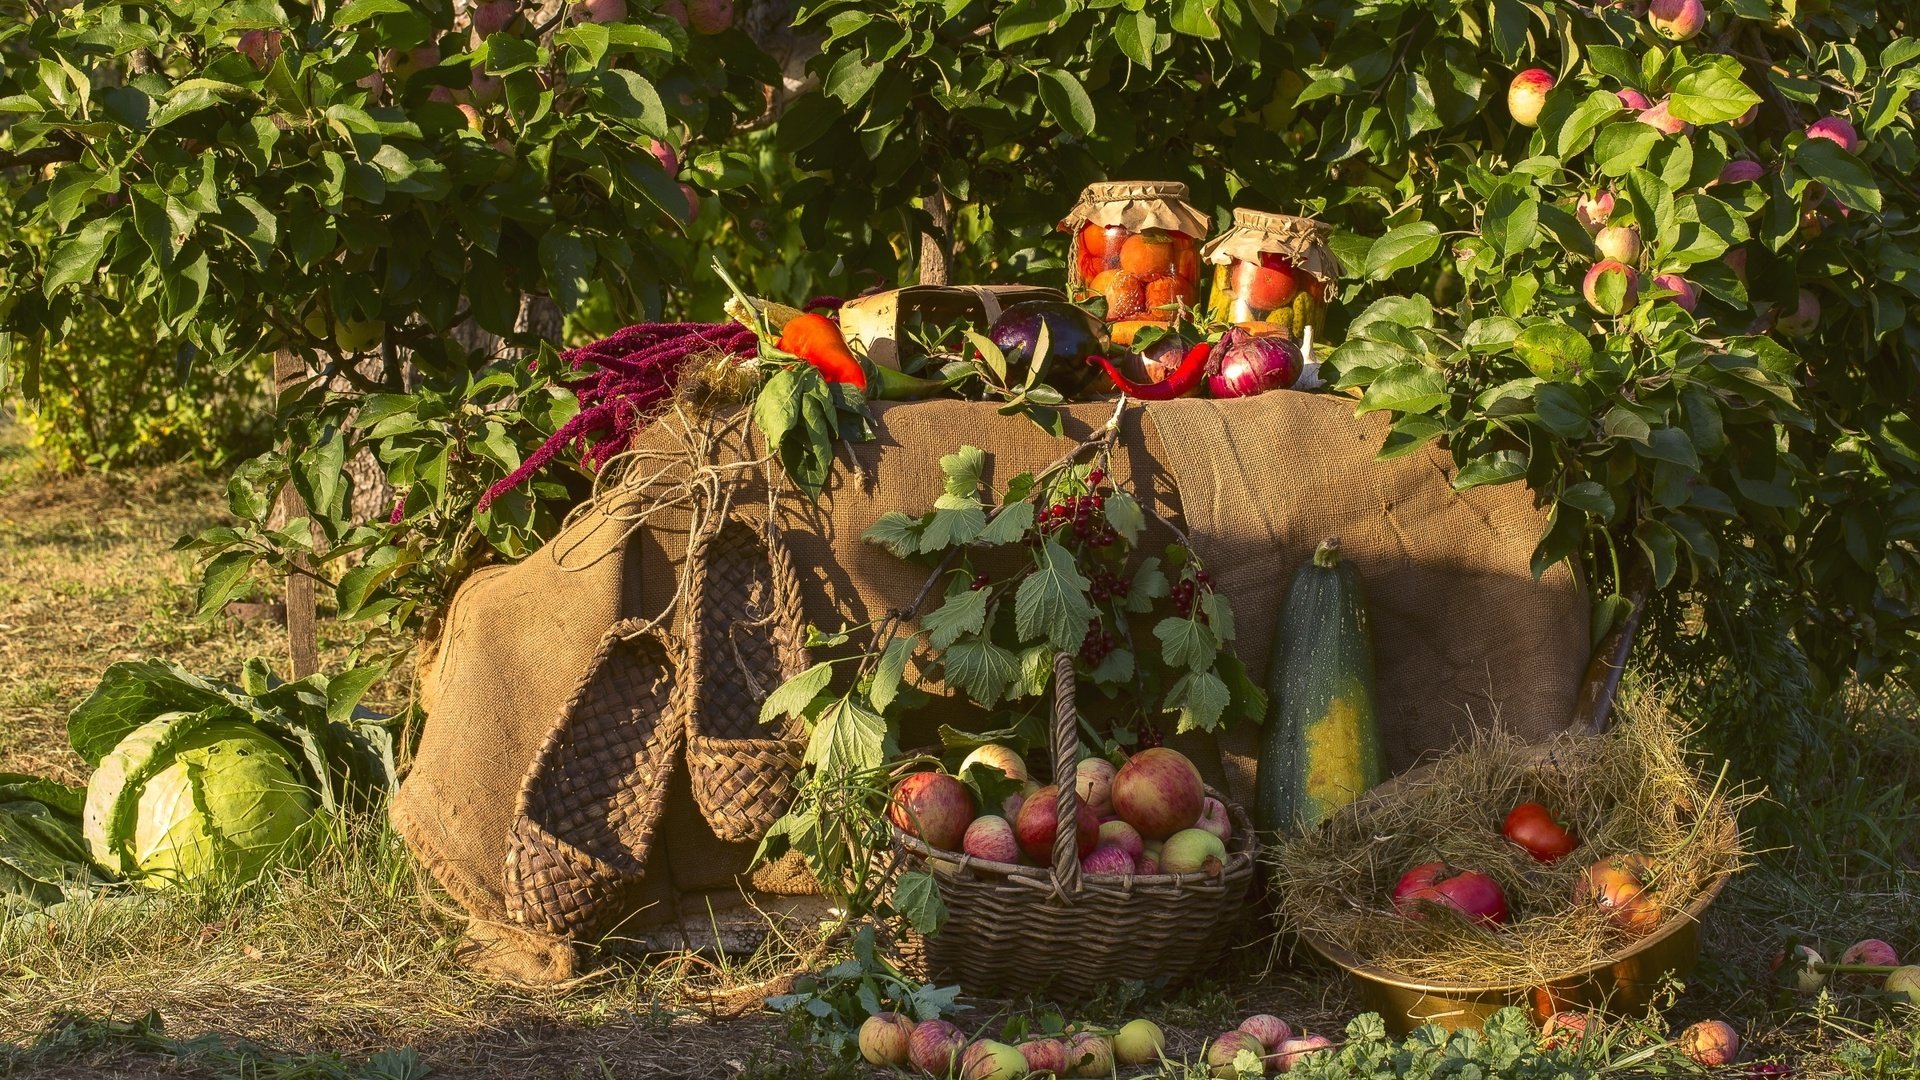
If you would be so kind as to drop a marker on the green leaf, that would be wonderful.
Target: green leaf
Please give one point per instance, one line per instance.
(1025, 20)
(318, 474)
(631, 98)
(1400, 248)
(568, 261)
(1578, 131)
(888, 673)
(1843, 174)
(1553, 350)
(1009, 526)
(1624, 146)
(955, 521)
(897, 531)
(1066, 101)
(791, 698)
(1134, 32)
(76, 259)
(850, 78)
(1410, 388)
(1200, 698)
(1052, 602)
(1661, 547)
(1653, 206)
(980, 669)
(848, 736)
(1512, 218)
(1125, 515)
(963, 469)
(1670, 444)
(1501, 467)
(1149, 584)
(223, 576)
(1197, 18)
(963, 612)
(1562, 410)
(1187, 643)
(916, 896)
(1711, 93)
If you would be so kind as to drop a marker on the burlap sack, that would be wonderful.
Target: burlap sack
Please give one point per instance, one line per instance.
(1461, 628)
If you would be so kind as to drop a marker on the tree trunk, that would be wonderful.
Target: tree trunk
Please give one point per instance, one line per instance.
(303, 642)
(936, 244)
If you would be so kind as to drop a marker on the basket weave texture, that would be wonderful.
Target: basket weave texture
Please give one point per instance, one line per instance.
(747, 640)
(577, 849)
(1014, 930)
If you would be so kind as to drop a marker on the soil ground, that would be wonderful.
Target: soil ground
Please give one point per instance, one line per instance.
(315, 974)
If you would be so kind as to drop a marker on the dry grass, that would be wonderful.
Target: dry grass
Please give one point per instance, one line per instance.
(1633, 791)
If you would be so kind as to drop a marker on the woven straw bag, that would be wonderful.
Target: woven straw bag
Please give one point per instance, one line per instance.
(1015, 930)
(588, 808)
(746, 639)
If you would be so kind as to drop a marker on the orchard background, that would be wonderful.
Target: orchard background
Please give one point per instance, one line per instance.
(313, 263)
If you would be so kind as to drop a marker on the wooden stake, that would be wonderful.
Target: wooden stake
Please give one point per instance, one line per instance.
(936, 243)
(303, 642)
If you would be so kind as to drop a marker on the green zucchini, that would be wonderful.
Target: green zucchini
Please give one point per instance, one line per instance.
(1321, 745)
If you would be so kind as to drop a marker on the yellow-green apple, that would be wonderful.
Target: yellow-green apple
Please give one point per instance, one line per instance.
(1527, 95)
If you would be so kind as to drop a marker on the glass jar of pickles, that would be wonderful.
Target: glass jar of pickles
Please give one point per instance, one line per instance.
(1136, 246)
(1272, 274)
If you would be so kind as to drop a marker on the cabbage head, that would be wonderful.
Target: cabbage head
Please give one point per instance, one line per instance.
(187, 796)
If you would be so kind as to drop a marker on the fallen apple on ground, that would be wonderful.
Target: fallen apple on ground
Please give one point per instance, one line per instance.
(1227, 1047)
(1711, 1043)
(1139, 1042)
(884, 1039)
(1268, 1028)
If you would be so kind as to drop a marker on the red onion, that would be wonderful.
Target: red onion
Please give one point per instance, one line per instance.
(1245, 364)
(1155, 362)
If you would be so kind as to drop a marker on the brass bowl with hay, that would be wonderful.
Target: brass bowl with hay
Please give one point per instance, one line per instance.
(1632, 790)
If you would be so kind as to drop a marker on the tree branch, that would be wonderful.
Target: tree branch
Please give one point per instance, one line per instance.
(42, 155)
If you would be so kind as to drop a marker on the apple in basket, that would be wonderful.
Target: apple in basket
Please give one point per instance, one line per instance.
(1038, 820)
(934, 807)
(1158, 792)
(1119, 834)
(996, 756)
(1213, 819)
(990, 837)
(1093, 781)
(1193, 851)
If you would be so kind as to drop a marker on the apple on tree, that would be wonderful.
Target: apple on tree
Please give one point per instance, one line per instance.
(1527, 95)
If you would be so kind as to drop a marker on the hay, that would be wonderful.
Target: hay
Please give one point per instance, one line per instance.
(1634, 790)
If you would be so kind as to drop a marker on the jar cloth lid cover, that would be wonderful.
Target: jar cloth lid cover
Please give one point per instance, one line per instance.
(1300, 241)
(1136, 205)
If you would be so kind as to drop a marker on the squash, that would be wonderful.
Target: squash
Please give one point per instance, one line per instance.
(1321, 745)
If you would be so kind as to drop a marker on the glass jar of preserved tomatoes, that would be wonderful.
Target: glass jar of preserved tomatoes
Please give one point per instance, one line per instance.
(1272, 274)
(1136, 246)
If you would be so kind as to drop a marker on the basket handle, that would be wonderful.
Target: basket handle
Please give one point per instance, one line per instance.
(1066, 759)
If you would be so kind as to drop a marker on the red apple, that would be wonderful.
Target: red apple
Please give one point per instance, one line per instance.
(1149, 860)
(1039, 819)
(1527, 95)
(405, 65)
(1633, 99)
(1093, 782)
(1605, 270)
(675, 10)
(485, 89)
(934, 807)
(1804, 319)
(1741, 171)
(1044, 1057)
(1660, 118)
(600, 11)
(1472, 894)
(1193, 851)
(1214, 819)
(1108, 860)
(1089, 1054)
(1836, 130)
(1291, 1051)
(1710, 1043)
(884, 1038)
(260, 47)
(1593, 209)
(1268, 1028)
(709, 16)
(990, 837)
(992, 755)
(1747, 117)
(1677, 20)
(1226, 1047)
(475, 122)
(1871, 951)
(1563, 1029)
(492, 16)
(1684, 294)
(1158, 792)
(935, 1046)
(1618, 242)
(1119, 834)
(1805, 978)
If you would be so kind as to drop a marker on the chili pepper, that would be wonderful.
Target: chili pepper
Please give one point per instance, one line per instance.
(815, 339)
(1184, 380)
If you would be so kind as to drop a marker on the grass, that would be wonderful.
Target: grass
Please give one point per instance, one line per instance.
(349, 968)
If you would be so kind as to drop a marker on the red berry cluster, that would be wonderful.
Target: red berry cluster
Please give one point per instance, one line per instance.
(980, 581)
(1188, 590)
(1149, 737)
(1107, 585)
(1098, 643)
(1086, 515)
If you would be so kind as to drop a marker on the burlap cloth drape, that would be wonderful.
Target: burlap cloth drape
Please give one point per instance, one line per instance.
(1461, 628)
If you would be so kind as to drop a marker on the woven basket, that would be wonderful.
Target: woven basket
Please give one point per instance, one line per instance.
(577, 848)
(746, 634)
(1014, 930)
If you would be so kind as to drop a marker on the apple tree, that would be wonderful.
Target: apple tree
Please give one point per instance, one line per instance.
(348, 183)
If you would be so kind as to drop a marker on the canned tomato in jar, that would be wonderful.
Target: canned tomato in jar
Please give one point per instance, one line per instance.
(1136, 248)
(1272, 274)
